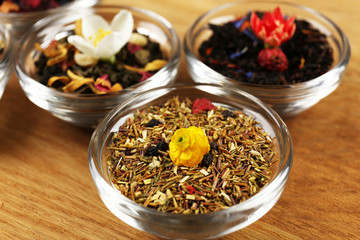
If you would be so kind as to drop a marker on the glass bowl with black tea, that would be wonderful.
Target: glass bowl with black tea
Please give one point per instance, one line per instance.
(6, 57)
(190, 161)
(19, 16)
(80, 64)
(289, 56)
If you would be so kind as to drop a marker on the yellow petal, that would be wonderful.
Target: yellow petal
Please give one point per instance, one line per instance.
(116, 87)
(61, 56)
(134, 69)
(73, 85)
(188, 146)
(64, 79)
(74, 76)
(155, 65)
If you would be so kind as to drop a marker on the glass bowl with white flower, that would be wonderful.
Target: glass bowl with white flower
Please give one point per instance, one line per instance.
(80, 64)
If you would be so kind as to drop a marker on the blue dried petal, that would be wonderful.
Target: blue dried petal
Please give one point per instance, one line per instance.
(239, 70)
(251, 35)
(234, 55)
(238, 54)
(239, 23)
(249, 74)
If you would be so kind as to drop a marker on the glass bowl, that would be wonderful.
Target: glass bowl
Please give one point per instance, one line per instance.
(287, 100)
(6, 57)
(87, 110)
(180, 226)
(19, 23)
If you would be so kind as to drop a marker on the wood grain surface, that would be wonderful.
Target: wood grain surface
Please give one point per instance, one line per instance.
(46, 191)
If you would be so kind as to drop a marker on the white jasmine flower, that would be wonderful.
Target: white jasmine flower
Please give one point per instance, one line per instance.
(101, 40)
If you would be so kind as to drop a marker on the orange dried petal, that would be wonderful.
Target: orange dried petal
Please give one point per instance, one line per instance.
(155, 65)
(64, 79)
(116, 87)
(74, 76)
(8, 6)
(73, 85)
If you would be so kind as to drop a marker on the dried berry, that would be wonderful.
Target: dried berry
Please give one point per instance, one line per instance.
(152, 123)
(152, 151)
(207, 160)
(228, 113)
(200, 105)
(213, 146)
(273, 59)
(162, 146)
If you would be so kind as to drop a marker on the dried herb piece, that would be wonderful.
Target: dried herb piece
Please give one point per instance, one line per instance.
(237, 166)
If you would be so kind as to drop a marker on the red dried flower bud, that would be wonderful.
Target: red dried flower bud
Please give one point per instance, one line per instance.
(273, 59)
(273, 28)
(202, 104)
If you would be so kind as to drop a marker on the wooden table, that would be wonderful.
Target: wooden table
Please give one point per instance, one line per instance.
(46, 191)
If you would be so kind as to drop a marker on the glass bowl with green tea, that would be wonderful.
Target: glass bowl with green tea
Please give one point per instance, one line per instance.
(199, 160)
(20, 15)
(80, 64)
(288, 55)
(6, 57)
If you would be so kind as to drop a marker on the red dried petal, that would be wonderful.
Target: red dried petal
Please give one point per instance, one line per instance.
(145, 75)
(104, 76)
(132, 48)
(273, 59)
(202, 104)
(29, 5)
(273, 29)
(103, 84)
(191, 189)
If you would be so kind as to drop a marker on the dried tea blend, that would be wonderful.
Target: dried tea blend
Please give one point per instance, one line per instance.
(21, 6)
(235, 165)
(236, 50)
(110, 59)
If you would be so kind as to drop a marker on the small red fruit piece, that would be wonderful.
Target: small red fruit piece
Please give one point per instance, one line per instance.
(273, 59)
(191, 189)
(202, 104)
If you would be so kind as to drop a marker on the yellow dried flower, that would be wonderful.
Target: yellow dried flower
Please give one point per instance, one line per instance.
(188, 146)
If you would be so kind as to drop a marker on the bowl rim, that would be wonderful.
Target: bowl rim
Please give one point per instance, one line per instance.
(344, 56)
(7, 56)
(278, 181)
(42, 24)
